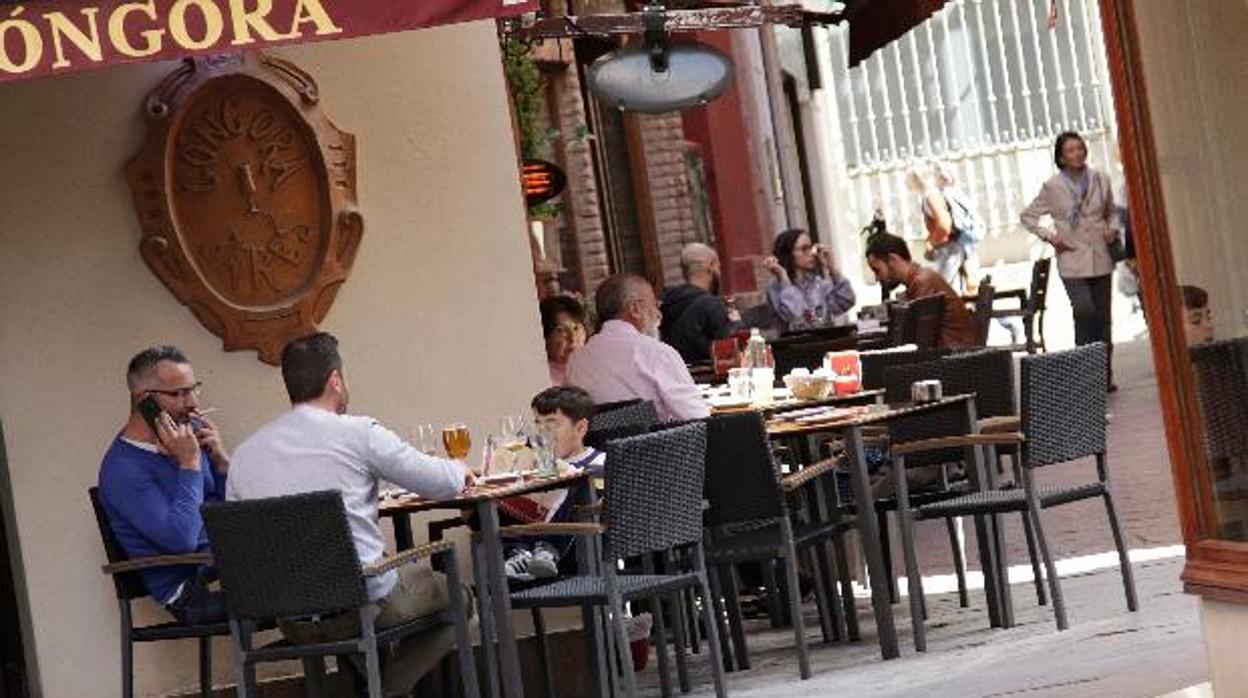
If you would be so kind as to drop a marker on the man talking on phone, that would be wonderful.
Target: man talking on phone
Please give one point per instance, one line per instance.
(166, 462)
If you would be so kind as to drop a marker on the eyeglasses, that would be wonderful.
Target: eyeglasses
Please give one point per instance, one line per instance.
(182, 393)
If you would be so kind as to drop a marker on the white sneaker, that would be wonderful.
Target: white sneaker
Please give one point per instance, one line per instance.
(517, 566)
(544, 562)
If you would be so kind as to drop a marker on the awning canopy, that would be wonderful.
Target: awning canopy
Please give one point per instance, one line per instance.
(50, 37)
(874, 24)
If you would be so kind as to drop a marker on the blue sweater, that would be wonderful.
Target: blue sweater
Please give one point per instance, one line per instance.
(153, 509)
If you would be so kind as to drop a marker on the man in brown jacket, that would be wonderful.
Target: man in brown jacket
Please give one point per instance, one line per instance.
(889, 257)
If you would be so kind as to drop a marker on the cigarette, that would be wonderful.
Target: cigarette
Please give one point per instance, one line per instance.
(207, 411)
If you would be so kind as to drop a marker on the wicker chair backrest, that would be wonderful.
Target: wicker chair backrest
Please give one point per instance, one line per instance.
(129, 585)
(742, 483)
(1063, 405)
(654, 490)
(286, 557)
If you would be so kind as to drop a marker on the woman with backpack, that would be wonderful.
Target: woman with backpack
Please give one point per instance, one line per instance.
(953, 229)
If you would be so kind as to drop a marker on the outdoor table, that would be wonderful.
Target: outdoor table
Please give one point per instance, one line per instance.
(988, 532)
(862, 397)
(493, 596)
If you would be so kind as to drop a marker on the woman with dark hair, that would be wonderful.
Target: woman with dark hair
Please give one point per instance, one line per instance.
(1080, 201)
(807, 288)
(563, 326)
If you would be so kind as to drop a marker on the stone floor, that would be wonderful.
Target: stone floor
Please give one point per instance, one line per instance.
(1106, 651)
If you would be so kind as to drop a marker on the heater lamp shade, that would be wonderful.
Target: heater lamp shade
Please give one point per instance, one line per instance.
(625, 79)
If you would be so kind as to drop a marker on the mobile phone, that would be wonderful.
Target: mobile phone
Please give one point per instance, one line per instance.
(150, 409)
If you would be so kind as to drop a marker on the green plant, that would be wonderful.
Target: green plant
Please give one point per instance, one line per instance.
(528, 89)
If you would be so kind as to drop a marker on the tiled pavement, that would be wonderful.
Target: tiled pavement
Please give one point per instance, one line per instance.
(1106, 652)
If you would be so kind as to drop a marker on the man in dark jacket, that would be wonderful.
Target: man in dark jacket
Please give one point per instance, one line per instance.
(693, 314)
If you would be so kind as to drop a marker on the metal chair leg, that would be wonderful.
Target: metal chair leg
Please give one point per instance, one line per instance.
(914, 579)
(314, 676)
(1036, 574)
(846, 581)
(205, 667)
(1050, 568)
(795, 609)
(486, 622)
(721, 613)
(539, 632)
(690, 610)
(774, 603)
(622, 645)
(894, 594)
(1124, 561)
(823, 604)
(127, 653)
(956, 543)
(680, 636)
(736, 620)
(712, 636)
(463, 643)
(659, 640)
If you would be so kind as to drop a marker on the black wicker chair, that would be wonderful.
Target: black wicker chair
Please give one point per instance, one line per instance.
(1221, 370)
(875, 364)
(748, 521)
(619, 419)
(989, 375)
(293, 557)
(1031, 306)
(1063, 419)
(653, 505)
(129, 586)
(806, 352)
(983, 310)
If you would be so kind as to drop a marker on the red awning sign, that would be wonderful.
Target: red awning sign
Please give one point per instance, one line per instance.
(61, 36)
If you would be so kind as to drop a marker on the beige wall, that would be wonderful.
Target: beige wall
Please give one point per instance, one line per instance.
(1196, 67)
(438, 321)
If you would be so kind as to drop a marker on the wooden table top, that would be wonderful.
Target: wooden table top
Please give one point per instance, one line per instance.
(779, 427)
(413, 503)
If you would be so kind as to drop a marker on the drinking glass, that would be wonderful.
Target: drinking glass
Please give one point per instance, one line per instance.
(425, 438)
(457, 441)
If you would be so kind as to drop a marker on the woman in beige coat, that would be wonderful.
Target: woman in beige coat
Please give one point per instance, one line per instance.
(1081, 203)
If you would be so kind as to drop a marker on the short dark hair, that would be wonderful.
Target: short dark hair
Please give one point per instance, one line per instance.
(1061, 143)
(573, 402)
(782, 250)
(882, 245)
(146, 361)
(615, 293)
(1194, 297)
(307, 363)
(552, 306)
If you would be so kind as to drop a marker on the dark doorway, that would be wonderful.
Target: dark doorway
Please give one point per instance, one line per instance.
(13, 681)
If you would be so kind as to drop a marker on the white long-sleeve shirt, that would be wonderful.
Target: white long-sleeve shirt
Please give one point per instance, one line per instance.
(309, 449)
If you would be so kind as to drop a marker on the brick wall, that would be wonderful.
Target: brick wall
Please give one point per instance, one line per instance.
(581, 198)
(671, 202)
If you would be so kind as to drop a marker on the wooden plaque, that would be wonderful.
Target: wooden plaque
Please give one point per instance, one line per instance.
(246, 195)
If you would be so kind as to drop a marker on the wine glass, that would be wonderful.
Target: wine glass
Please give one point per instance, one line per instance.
(424, 438)
(457, 440)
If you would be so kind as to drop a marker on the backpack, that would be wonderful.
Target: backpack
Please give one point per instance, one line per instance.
(967, 226)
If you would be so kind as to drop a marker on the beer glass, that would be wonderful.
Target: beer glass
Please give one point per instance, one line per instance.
(457, 440)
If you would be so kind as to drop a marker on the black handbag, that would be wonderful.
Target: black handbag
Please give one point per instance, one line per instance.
(1118, 249)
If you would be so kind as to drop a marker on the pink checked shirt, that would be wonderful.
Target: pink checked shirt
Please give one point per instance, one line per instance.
(620, 363)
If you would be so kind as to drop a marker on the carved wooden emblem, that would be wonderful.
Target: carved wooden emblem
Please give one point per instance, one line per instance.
(246, 195)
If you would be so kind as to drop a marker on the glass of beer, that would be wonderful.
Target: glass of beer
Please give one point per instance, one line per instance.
(457, 440)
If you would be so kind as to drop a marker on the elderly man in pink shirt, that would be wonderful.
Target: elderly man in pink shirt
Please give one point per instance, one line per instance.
(626, 361)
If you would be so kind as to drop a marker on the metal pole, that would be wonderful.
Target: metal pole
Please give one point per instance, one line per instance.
(782, 128)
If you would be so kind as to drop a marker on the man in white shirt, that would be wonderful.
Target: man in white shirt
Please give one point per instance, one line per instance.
(626, 360)
(317, 446)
